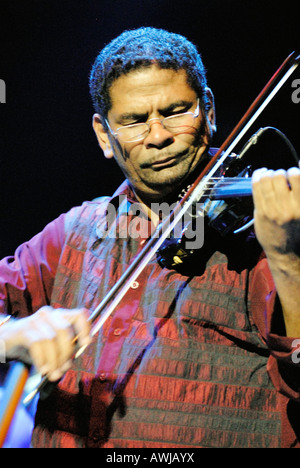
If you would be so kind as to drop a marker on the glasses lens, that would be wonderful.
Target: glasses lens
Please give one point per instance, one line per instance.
(177, 122)
(133, 132)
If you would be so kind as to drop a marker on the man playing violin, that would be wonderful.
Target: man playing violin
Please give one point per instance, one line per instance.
(199, 357)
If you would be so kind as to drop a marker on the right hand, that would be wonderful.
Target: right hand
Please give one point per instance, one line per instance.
(48, 337)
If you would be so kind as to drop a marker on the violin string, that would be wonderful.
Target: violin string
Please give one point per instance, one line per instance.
(212, 185)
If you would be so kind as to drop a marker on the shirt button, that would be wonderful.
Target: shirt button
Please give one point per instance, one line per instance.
(134, 285)
(117, 331)
(96, 436)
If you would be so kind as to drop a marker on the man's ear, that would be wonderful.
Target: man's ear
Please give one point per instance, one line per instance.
(211, 114)
(102, 137)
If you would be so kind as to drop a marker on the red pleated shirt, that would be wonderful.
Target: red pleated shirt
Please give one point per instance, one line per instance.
(191, 357)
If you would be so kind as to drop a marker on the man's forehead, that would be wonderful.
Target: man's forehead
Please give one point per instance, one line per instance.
(151, 84)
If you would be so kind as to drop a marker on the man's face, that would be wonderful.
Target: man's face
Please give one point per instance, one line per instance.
(159, 163)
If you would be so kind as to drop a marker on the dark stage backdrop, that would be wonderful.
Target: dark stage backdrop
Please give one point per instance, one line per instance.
(49, 157)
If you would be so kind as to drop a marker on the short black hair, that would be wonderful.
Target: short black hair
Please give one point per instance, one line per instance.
(141, 48)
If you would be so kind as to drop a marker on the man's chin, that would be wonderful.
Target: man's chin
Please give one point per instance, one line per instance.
(168, 188)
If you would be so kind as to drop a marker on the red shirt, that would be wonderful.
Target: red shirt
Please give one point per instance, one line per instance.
(186, 360)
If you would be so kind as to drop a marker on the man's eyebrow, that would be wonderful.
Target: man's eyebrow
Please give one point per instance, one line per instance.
(185, 105)
(128, 117)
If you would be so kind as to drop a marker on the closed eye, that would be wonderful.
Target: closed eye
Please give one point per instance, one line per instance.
(131, 119)
(179, 107)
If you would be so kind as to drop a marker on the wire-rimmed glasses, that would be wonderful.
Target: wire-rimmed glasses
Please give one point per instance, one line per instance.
(177, 123)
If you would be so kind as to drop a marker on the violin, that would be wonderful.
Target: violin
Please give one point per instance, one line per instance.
(219, 182)
(226, 202)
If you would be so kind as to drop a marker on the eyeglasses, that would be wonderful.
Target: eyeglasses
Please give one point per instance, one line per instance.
(174, 123)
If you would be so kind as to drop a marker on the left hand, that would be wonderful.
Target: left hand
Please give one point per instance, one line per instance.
(276, 196)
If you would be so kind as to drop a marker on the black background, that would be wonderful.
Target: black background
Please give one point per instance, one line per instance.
(49, 156)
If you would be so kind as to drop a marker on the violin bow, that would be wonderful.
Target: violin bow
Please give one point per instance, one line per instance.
(18, 375)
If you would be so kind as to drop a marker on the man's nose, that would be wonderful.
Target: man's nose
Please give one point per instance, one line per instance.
(158, 135)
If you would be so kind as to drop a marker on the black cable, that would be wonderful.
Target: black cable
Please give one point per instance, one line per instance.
(285, 139)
